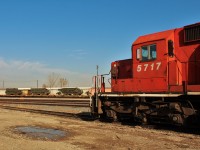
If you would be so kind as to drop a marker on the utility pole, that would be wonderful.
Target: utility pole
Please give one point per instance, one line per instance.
(97, 78)
(37, 83)
(97, 86)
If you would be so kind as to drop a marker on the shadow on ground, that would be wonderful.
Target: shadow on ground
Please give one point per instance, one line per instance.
(86, 116)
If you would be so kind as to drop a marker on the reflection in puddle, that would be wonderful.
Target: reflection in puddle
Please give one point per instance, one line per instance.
(41, 133)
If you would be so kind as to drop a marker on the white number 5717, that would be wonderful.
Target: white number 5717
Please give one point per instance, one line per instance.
(145, 66)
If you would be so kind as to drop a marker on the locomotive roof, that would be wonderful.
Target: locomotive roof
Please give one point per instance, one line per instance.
(153, 37)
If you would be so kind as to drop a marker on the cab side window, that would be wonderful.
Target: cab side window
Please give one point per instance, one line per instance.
(144, 53)
(149, 52)
(152, 51)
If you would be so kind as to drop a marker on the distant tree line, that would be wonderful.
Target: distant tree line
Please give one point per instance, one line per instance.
(54, 80)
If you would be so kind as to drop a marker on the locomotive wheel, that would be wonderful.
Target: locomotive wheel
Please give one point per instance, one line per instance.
(141, 118)
(111, 115)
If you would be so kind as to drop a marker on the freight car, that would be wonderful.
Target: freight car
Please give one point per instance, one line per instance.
(39, 91)
(47, 92)
(13, 91)
(159, 84)
(71, 91)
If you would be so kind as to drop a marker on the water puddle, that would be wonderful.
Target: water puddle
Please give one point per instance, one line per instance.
(41, 133)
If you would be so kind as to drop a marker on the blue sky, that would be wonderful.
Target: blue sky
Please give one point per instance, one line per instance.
(70, 37)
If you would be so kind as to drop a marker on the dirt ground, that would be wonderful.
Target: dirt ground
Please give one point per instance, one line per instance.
(82, 134)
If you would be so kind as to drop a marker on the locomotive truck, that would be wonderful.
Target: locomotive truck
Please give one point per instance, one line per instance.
(159, 84)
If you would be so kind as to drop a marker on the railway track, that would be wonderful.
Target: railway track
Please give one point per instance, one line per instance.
(26, 104)
(83, 116)
(73, 102)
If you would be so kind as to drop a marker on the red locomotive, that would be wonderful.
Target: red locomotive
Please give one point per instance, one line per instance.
(159, 84)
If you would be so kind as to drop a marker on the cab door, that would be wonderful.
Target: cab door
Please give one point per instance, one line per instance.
(150, 67)
(194, 68)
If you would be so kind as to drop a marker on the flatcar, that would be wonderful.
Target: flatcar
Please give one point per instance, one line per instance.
(71, 91)
(160, 83)
(39, 91)
(13, 91)
(68, 91)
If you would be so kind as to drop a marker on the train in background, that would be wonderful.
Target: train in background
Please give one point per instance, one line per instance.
(159, 84)
(69, 91)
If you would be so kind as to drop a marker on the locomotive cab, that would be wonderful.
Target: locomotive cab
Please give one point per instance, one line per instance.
(150, 57)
